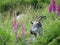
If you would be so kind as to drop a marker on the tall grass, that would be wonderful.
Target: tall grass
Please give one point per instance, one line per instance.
(51, 26)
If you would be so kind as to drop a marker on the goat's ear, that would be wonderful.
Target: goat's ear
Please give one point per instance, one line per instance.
(31, 22)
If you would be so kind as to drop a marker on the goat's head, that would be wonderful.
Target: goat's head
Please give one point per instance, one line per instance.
(37, 27)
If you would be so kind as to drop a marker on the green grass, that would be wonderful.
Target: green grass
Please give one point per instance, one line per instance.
(51, 26)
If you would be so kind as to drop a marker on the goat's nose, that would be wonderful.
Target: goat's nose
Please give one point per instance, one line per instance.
(34, 33)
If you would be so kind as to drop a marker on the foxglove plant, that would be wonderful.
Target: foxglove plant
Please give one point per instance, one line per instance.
(23, 27)
(52, 6)
(15, 27)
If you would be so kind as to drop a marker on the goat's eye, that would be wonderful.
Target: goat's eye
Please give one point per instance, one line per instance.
(39, 24)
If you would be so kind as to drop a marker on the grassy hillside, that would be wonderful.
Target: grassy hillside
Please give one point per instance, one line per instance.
(51, 25)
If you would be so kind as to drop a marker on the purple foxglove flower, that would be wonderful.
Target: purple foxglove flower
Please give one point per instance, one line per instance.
(23, 27)
(52, 6)
(15, 24)
(23, 31)
(58, 8)
(15, 27)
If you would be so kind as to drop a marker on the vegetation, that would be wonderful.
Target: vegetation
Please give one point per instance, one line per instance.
(32, 9)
